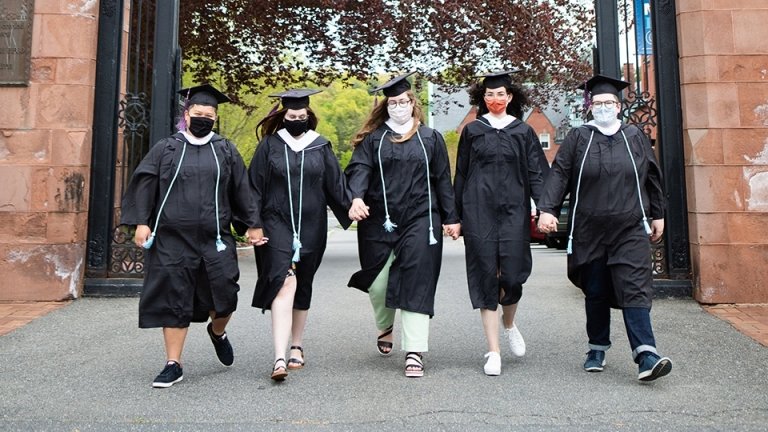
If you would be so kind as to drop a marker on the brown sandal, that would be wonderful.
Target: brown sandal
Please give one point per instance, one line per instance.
(295, 362)
(279, 373)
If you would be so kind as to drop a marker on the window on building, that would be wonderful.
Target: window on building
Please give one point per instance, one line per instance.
(544, 140)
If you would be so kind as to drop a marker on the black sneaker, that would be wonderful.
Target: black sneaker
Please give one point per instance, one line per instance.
(223, 348)
(652, 367)
(170, 375)
(595, 361)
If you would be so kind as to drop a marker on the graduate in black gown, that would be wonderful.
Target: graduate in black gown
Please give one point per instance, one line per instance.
(182, 198)
(400, 180)
(500, 166)
(616, 211)
(295, 177)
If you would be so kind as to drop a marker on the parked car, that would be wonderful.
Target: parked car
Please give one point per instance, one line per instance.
(559, 238)
(536, 235)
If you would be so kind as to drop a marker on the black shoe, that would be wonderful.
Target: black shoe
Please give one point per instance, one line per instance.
(170, 375)
(652, 367)
(223, 348)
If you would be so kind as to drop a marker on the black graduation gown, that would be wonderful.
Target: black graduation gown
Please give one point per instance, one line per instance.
(608, 220)
(185, 276)
(324, 186)
(498, 171)
(415, 270)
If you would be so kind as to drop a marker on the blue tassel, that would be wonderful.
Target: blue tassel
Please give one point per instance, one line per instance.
(647, 227)
(432, 239)
(148, 244)
(569, 249)
(296, 249)
(388, 225)
(220, 246)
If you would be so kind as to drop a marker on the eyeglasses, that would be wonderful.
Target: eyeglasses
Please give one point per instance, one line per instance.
(401, 103)
(608, 104)
(295, 118)
(499, 95)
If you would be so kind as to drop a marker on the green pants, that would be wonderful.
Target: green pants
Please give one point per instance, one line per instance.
(415, 334)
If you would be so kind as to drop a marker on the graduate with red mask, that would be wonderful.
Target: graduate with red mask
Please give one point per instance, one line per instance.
(500, 166)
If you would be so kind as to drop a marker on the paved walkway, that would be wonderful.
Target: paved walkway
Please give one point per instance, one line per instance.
(749, 319)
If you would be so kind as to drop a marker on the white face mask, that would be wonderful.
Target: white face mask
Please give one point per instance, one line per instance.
(604, 116)
(400, 115)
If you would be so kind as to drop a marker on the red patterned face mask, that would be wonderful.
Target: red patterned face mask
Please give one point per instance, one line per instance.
(496, 106)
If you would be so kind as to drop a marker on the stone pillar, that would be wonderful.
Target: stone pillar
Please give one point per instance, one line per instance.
(45, 137)
(724, 80)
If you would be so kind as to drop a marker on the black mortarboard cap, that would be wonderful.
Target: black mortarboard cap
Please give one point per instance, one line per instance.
(601, 84)
(295, 98)
(396, 86)
(204, 94)
(499, 78)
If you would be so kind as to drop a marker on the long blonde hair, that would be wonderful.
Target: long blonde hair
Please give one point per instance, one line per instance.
(379, 115)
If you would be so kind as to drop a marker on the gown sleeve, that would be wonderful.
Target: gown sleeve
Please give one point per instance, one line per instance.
(462, 170)
(140, 198)
(653, 183)
(336, 192)
(440, 168)
(360, 168)
(558, 180)
(244, 211)
(258, 175)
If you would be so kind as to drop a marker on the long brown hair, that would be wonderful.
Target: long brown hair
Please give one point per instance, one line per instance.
(379, 115)
(271, 123)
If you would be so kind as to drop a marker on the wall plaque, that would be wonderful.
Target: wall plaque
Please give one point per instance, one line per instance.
(15, 41)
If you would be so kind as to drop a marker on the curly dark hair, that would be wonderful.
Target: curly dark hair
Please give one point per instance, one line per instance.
(514, 108)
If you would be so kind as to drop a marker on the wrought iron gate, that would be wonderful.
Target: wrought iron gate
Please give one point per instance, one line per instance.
(127, 120)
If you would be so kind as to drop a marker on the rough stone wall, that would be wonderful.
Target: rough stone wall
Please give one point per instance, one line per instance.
(724, 74)
(45, 141)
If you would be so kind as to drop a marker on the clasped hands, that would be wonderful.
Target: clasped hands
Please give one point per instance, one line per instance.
(359, 211)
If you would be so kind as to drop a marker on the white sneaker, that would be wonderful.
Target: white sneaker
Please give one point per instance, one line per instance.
(516, 342)
(493, 364)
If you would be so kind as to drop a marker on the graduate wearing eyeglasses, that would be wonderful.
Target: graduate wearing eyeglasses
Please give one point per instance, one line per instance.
(500, 166)
(400, 181)
(616, 211)
(295, 177)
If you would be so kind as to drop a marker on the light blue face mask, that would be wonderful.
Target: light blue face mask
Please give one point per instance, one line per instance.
(604, 116)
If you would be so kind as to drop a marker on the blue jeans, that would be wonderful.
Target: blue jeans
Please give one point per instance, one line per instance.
(637, 320)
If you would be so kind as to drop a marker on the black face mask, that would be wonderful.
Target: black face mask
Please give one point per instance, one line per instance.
(296, 127)
(200, 126)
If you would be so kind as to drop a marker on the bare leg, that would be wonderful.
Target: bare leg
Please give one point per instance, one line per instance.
(282, 316)
(508, 316)
(174, 342)
(219, 325)
(490, 320)
(297, 332)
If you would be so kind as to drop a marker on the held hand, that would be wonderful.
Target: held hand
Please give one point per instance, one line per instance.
(358, 210)
(547, 223)
(142, 235)
(657, 229)
(256, 237)
(453, 230)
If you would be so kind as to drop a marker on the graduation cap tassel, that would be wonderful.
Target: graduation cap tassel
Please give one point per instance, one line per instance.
(389, 226)
(150, 241)
(220, 246)
(432, 239)
(296, 248)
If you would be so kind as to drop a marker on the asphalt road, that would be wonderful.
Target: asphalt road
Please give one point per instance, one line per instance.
(87, 367)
